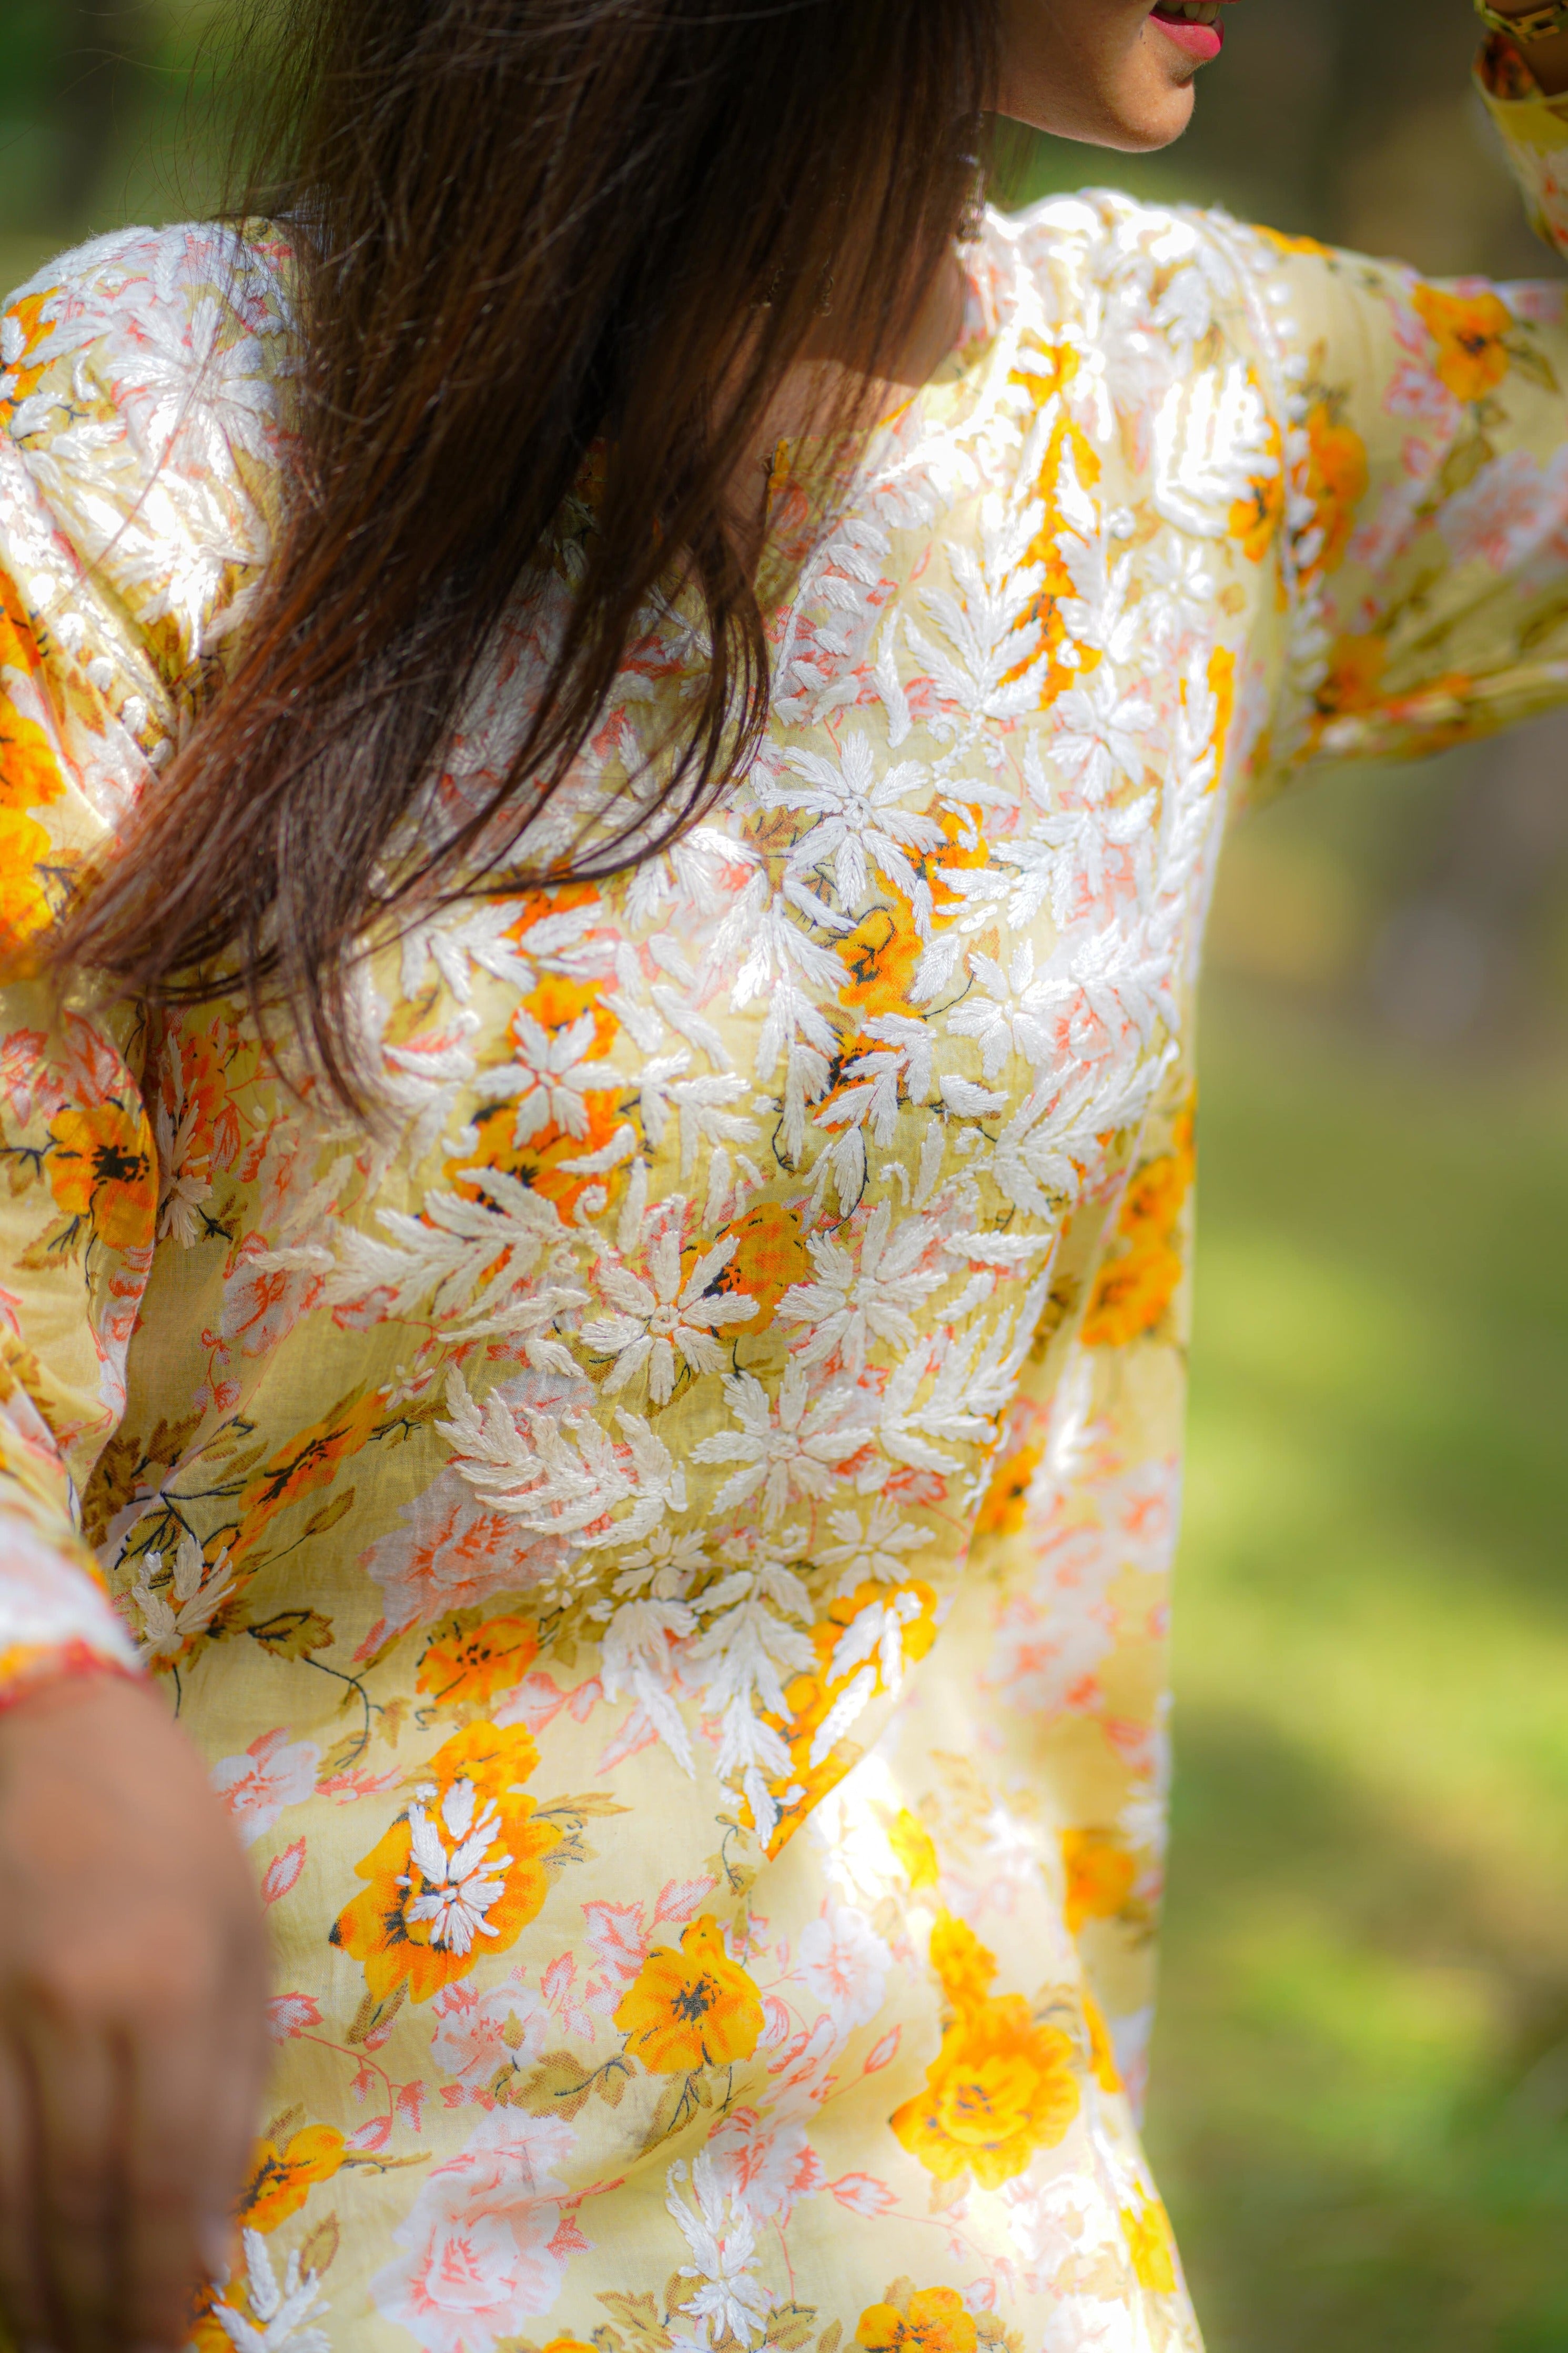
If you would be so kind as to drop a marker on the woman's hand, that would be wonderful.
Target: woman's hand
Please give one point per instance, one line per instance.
(133, 2043)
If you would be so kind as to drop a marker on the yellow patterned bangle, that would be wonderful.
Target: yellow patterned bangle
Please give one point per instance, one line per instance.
(1530, 25)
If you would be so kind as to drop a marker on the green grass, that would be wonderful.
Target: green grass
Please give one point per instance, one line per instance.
(1360, 2106)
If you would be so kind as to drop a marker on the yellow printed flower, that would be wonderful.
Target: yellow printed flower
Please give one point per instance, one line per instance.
(1000, 2090)
(1151, 2243)
(100, 1169)
(962, 1962)
(1100, 1876)
(695, 2008)
(281, 2179)
(911, 1842)
(931, 2320)
(1469, 331)
(1101, 2049)
(458, 1876)
(464, 1667)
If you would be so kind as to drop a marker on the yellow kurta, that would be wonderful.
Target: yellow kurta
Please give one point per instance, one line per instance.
(665, 1541)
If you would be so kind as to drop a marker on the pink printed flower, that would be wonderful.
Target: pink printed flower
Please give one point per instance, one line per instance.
(844, 1963)
(1417, 393)
(289, 2014)
(478, 2034)
(1513, 511)
(272, 1773)
(480, 2257)
(449, 1553)
(764, 2168)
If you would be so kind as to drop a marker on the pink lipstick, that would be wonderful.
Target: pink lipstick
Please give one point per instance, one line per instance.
(1199, 38)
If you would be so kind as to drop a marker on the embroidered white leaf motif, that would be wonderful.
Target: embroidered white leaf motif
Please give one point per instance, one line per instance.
(503, 1264)
(280, 2306)
(561, 1474)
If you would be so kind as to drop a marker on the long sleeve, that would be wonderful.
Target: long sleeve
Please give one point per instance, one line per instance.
(1420, 512)
(118, 560)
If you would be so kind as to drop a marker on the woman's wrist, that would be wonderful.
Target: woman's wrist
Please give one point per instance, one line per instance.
(1545, 60)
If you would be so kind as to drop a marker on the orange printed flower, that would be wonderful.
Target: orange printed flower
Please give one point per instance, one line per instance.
(282, 2179)
(100, 1169)
(1143, 1271)
(459, 1875)
(768, 1256)
(1336, 481)
(1356, 666)
(1151, 2245)
(463, 1666)
(1001, 1512)
(540, 1161)
(1000, 2090)
(879, 956)
(1469, 331)
(1255, 520)
(695, 2008)
(1100, 1876)
(912, 1843)
(1041, 625)
(309, 1460)
(931, 2320)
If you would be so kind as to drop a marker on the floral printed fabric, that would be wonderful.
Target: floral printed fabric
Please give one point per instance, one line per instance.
(666, 1541)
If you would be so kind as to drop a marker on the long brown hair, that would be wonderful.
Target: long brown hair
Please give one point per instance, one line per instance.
(526, 228)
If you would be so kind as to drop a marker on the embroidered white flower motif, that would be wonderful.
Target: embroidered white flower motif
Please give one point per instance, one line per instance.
(1008, 1013)
(859, 820)
(551, 1076)
(869, 1552)
(187, 1605)
(280, 2308)
(1101, 733)
(850, 1306)
(459, 1887)
(660, 1317)
(783, 1452)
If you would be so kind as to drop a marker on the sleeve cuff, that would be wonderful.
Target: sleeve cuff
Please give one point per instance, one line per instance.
(1528, 119)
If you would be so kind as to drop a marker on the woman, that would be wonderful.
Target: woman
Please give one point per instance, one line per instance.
(641, 740)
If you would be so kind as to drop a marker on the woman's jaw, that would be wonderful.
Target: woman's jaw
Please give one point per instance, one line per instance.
(1112, 73)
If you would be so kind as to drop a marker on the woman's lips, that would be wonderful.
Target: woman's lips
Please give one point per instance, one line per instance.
(1203, 42)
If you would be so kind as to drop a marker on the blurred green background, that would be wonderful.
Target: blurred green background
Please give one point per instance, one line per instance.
(1361, 2105)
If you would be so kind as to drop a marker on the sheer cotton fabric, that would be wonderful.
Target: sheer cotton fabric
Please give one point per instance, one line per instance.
(665, 1541)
